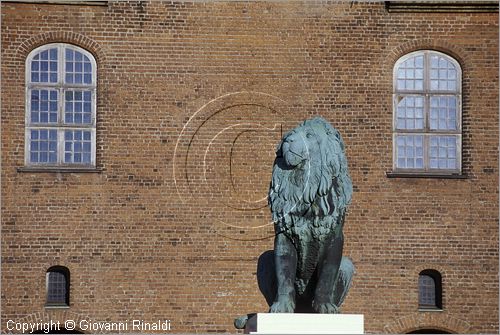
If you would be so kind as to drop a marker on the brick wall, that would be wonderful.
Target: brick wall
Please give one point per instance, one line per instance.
(192, 99)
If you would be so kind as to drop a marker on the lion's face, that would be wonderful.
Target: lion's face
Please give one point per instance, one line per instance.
(310, 169)
(299, 145)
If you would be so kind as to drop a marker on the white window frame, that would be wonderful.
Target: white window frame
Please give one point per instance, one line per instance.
(427, 93)
(61, 86)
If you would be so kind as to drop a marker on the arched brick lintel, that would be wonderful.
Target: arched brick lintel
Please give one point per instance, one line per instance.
(427, 320)
(61, 37)
(428, 44)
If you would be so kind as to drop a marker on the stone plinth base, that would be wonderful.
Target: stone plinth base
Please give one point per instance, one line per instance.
(302, 323)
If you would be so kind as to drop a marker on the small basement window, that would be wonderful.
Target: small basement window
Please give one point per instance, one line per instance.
(57, 280)
(429, 290)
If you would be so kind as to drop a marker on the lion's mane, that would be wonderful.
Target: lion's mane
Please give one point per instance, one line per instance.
(308, 201)
(311, 198)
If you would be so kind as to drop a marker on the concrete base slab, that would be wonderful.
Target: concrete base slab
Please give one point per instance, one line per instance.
(304, 323)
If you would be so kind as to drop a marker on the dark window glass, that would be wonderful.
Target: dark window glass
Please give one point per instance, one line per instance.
(58, 286)
(429, 290)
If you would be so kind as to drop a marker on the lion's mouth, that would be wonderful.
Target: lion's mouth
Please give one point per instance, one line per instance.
(292, 158)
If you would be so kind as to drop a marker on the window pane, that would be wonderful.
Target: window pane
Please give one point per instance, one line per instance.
(78, 107)
(56, 288)
(78, 68)
(43, 69)
(44, 106)
(443, 152)
(426, 291)
(443, 113)
(443, 74)
(77, 146)
(43, 146)
(410, 152)
(410, 74)
(410, 113)
(53, 54)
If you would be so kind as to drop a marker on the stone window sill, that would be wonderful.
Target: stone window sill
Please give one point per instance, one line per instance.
(430, 310)
(392, 174)
(405, 6)
(56, 306)
(55, 169)
(65, 2)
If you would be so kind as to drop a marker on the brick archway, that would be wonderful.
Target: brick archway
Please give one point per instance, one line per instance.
(64, 37)
(428, 44)
(428, 320)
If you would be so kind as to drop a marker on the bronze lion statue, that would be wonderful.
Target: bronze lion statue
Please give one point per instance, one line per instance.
(309, 194)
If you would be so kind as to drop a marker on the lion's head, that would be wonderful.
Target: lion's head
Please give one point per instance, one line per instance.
(310, 179)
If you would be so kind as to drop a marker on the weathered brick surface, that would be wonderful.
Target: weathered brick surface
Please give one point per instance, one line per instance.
(192, 98)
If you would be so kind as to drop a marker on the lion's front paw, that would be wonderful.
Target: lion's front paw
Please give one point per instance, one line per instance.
(283, 304)
(325, 308)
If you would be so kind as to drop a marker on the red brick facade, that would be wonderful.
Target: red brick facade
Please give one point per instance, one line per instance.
(192, 99)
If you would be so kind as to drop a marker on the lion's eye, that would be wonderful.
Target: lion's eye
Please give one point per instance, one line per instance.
(309, 135)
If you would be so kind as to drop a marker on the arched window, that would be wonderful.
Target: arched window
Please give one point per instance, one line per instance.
(429, 290)
(58, 281)
(427, 114)
(60, 106)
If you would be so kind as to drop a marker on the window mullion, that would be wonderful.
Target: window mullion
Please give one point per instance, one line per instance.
(426, 130)
(60, 146)
(61, 83)
(61, 68)
(427, 65)
(60, 131)
(426, 153)
(427, 73)
(427, 112)
(61, 106)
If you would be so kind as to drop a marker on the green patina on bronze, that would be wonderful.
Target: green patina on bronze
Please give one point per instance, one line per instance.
(309, 194)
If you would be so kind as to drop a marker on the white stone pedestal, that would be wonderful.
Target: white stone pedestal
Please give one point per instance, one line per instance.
(302, 323)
